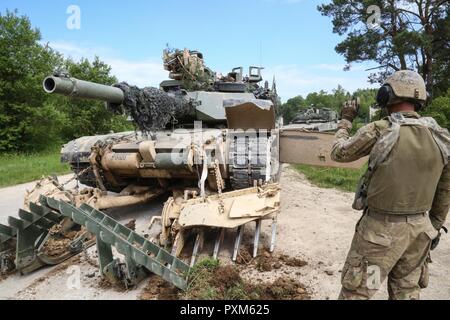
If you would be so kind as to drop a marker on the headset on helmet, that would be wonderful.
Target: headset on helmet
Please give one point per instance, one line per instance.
(403, 85)
(384, 95)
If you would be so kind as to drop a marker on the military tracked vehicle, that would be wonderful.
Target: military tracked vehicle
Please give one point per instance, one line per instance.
(206, 142)
(315, 119)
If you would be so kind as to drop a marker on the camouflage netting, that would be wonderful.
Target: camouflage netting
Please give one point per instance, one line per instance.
(151, 108)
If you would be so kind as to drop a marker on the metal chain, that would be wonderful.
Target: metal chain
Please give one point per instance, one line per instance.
(76, 176)
(220, 186)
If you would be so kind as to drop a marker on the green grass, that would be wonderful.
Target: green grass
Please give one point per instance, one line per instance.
(342, 179)
(20, 168)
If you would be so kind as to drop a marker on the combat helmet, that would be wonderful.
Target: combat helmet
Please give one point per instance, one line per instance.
(403, 85)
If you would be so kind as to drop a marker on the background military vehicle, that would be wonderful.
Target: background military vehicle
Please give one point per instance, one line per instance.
(315, 119)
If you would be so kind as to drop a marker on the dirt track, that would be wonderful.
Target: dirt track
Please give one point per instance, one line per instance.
(316, 225)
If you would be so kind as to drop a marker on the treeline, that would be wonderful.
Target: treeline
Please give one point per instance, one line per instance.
(333, 100)
(30, 119)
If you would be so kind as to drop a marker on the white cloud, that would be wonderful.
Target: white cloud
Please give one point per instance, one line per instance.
(76, 51)
(142, 73)
(293, 80)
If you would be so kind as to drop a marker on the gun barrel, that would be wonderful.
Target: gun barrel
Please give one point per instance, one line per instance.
(82, 89)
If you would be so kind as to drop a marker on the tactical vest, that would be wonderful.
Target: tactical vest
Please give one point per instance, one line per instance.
(405, 166)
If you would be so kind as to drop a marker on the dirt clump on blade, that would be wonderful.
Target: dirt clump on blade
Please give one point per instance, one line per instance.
(266, 261)
(211, 281)
(281, 289)
(225, 276)
(105, 284)
(244, 256)
(159, 289)
(58, 243)
(56, 246)
(131, 224)
(292, 262)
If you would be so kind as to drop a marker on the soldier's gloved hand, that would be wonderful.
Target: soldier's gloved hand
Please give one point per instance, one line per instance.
(435, 241)
(350, 109)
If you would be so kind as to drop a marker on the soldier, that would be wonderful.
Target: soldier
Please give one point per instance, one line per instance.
(405, 193)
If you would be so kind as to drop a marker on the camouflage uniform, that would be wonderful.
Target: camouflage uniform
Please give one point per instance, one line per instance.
(408, 199)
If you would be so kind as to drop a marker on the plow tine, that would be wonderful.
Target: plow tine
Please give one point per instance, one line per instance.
(237, 242)
(45, 212)
(35, 219)
(197, 247)
(26, 216)
(16, 223)
(218, 242)
(273, 236)
(7, 231)
(256, 238)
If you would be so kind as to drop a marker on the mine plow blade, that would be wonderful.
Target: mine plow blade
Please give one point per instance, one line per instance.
(24, 241)
(183, 218)
(141, 256)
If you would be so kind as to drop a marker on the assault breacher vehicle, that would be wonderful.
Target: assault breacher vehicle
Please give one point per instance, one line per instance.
(206, 142)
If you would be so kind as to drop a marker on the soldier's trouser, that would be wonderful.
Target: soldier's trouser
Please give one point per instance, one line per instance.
(387, 246)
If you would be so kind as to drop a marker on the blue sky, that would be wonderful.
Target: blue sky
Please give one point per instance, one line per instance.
(288, 37)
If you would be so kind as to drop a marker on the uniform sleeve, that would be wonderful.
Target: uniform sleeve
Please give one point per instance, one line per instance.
(348, 149)
(441, 201)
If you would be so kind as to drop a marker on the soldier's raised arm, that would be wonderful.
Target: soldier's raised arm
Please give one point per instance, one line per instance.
(346, 148)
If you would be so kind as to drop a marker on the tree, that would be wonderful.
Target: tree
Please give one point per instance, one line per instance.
(333, 100)
(441, 65)
(89, 117)
(367, 99)
(439, 109)
(30, 119)
(289, 109)
(410, 34)
(26, 123)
